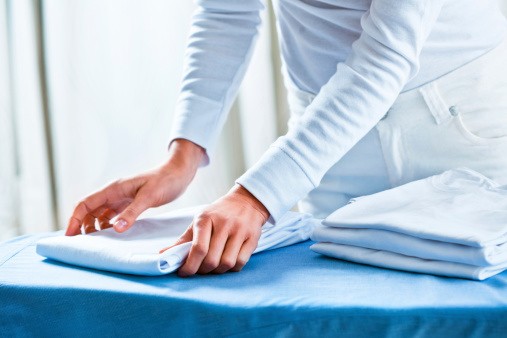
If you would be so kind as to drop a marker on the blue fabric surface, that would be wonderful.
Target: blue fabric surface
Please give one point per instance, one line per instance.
(285, 292)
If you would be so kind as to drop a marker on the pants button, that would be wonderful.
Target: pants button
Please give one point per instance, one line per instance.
(453, 110)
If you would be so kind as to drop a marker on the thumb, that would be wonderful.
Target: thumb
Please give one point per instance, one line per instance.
(129, 215)
(186, 237)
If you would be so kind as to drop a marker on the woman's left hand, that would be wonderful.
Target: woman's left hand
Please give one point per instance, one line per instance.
(224, 235)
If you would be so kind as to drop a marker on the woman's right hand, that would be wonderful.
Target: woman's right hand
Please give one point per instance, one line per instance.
(128, 198)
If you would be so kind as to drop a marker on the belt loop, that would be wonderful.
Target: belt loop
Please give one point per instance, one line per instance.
(435, 102)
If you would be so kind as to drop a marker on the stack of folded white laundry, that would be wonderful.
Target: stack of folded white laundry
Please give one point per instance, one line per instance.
(453, 224)
(136, 250)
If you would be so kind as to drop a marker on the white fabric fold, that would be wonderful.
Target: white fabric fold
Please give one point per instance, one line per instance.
(136, 250)
(453, 224)
(391, 260)
(412, 246)
(458, 206)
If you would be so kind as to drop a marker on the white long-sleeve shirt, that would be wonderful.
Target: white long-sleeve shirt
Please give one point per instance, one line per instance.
(357, 56)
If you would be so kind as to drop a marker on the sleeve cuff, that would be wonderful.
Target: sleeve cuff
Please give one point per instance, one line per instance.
(202, 129)
(277, 181)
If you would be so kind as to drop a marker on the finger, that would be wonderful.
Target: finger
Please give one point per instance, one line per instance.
(202, 234)
(97, 212)
(216, 248)
(230, 254)
(89, 224)
(186, 237)
(128, 216)
(245, 253)
(89, 204)
(113, 211)
(89, 220)
(105, 218)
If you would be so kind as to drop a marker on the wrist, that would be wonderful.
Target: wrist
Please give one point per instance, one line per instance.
(244, 194)
(184, 157)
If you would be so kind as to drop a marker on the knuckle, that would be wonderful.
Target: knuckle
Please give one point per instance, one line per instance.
(102, 219)
(227, 264)
(241, 262)
(202, 218)
(179, 241)
(74, 219)
(186, 272)
(199, 249)
(81, 205)
(210, 264)
(130, 212)
(103, 224)
(236, 269)
(89, 229)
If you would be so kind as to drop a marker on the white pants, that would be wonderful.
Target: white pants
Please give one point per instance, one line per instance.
(457, 120)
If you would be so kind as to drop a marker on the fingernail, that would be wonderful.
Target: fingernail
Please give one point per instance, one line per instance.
(120, 224)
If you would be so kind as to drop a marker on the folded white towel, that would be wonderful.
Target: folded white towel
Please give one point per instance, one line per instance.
(459, 206)
(452, 224)
(136, 250)
(391, 260)
(412, 246)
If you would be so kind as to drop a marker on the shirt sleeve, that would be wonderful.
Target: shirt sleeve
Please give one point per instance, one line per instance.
(220, 46)
(355, 98)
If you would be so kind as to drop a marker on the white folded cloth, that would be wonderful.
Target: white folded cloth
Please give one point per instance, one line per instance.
(136, 250)
(452, 224)
(458, 206)
(391, 260)
(412, 246)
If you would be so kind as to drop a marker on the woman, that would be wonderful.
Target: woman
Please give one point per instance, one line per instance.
(381, 93)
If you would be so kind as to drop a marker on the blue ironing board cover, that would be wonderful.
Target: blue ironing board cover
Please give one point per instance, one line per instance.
(285, 292)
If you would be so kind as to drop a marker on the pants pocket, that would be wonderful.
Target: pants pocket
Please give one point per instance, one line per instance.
(438, 131)
(482, 115)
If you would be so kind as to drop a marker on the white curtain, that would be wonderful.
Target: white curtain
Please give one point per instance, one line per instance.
(25, 187)
(111, 71)
(8, 160)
